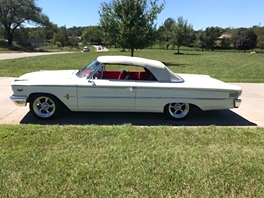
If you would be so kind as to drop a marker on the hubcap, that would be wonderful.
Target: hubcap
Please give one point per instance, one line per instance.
(178, 110)
(44, 107)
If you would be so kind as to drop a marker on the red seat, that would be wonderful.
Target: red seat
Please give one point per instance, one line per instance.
(111, 74)
(129, 75)
(145, 76)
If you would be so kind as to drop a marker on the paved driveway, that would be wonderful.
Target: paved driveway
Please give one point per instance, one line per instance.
(100, 48)
(4, 56)
(250, 113)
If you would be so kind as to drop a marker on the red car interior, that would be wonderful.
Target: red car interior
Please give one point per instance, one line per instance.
(128, 75)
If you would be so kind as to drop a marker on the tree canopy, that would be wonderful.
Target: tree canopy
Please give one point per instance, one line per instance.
(176, 33)
(164, 32)
(209, 36)
(129, 23)
(247, 39)
(92, 35)
(14, 13)
(182, 33)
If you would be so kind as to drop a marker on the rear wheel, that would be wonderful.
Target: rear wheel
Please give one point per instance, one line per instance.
(44, 106)
(177, 110)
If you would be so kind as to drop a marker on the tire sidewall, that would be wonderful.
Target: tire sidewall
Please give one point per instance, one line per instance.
(167, 112)
(51, 97)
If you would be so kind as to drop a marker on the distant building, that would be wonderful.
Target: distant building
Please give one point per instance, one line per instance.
(225, 36)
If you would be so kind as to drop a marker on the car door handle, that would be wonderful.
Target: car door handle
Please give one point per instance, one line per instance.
(130, 88)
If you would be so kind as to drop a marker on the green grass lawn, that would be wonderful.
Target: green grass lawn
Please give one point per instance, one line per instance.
(229, 67)
(128, 161)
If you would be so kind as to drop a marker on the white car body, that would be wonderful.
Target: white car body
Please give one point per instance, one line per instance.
(81, 92)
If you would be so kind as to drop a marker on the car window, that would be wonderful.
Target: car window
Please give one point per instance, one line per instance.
(87, 70)
(98, 74)
(123, 72)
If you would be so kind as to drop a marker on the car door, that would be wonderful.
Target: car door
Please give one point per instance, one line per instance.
(150, 96)
(106, 95)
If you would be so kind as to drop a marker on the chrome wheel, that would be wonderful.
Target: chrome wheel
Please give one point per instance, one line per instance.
(44, 106)
(177, 110)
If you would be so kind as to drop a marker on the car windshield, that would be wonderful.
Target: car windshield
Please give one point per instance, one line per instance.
(83, 73)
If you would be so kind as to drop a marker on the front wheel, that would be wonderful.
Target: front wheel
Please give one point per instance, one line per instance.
(44, 106)
(177, 110)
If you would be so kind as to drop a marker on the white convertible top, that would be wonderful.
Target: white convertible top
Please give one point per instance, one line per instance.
(128, 60)
(157, 68)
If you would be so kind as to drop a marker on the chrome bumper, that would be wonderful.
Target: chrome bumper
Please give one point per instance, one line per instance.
(237, 102)
(19, 100)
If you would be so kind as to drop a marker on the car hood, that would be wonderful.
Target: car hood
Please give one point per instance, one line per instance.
(56, 77)
(47, 75)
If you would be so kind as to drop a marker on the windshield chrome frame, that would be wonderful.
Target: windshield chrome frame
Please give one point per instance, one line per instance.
(90, 76)
(81, 71)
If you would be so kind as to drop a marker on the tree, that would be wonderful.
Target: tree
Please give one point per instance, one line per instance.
(208, 38)
(246, 40)
(182, 33)
(225, 43)
(61, 37)
(164, 32)
(92, 35)
(75, 31)
(129, 23)
(14, 13)
(261, 44)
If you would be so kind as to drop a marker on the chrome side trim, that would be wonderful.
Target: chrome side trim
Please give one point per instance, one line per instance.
(180, 98)
(136, 87)
(19, 100)
(150, 98)
(107, 97)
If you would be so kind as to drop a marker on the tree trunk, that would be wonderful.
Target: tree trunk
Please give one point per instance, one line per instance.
(178, 49)
(9, 37)
(9, 42)
(132, 52)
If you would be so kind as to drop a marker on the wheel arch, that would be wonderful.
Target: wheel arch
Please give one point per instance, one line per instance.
(32, 95)
(191, 105)
(178, 110)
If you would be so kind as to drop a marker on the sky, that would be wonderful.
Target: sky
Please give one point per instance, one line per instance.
(199, 13)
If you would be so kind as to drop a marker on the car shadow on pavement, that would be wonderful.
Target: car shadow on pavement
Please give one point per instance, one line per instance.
(197, 118)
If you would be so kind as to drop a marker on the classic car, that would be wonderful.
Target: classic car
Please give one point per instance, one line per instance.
(122, 84)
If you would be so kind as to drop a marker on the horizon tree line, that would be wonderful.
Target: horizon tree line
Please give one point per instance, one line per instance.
(128, 24)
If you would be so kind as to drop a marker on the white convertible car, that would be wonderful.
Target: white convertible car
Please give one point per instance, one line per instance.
(122, 84)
